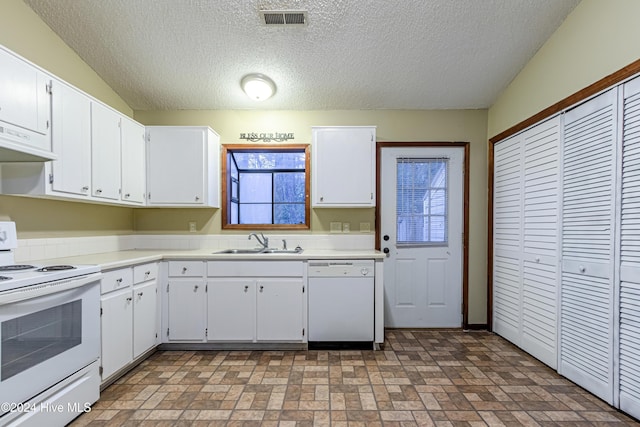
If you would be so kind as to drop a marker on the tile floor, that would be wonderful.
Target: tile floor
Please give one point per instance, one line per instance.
(422, 378)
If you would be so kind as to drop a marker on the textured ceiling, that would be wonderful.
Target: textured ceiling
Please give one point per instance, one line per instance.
(353, 54)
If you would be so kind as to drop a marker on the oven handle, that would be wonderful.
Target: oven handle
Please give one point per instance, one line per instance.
(35, 291)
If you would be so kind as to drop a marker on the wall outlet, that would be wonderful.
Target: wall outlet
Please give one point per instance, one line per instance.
(335, 227)
(346, 227)
(365, 227)
(192, 227)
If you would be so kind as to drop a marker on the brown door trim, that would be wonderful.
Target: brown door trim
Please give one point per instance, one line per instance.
(465, 227)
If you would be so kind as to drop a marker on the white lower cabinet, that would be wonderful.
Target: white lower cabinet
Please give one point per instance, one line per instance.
(117, 331)
(232, 309)
(251, 309)
(256, 301)
(128, 316)
(279, 309)
(186, 310)
(186, 302)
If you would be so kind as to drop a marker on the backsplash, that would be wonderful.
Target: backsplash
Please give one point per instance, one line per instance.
(37, 249)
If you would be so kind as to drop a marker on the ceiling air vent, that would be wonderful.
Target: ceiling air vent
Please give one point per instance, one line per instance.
(283, 17)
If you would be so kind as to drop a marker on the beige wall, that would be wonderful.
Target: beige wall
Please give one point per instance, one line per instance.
(598, 38)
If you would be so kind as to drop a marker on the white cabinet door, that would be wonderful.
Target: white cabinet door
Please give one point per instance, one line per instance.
(231, 309)
(541, 220)
(343, 169)
(525, 229)
(186, 315)
(71, 139)
(105, 152)
(117, 337)
(145, 303)
(179, 162)
(280, 310)
(24, 99)
(588, 223)
(630, 253)
(133, 161)
(507, 242)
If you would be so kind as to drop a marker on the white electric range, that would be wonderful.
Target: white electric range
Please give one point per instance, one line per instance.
(49, 338)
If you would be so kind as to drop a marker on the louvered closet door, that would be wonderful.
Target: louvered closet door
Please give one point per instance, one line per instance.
(507, 238)
(587, 328)
(630, 253)
(540, 242)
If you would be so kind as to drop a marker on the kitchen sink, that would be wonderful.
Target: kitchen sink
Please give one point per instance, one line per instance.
(297, 250)
(240, 251)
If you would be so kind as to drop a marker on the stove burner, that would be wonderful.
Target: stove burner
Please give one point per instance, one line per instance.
(4, 278)
(16, 267)
(55, 268)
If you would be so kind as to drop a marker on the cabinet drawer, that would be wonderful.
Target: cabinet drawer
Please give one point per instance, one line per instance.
(255, 269)
(145, 272)
(186, 268)
(116, 279)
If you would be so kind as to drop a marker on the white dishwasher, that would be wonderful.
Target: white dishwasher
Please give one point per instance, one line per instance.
(341, 300)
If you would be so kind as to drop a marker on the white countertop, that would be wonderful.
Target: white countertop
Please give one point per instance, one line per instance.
(111, 260)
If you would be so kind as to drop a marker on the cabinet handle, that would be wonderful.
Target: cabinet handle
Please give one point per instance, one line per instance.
(119, 281)
(146, 273)
(321, 199)
(582, 269)
(140, 294)
(195, 288)
(98, 191)
(184, 270)
(246, 288)
(126, 196)
(129, 299)
(261, 288)
(197, 198)
(85, 188)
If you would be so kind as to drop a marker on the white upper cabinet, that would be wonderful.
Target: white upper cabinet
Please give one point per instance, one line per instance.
(343, 166)
(105, 152)
(25, 110)
(71, 137)
(133, 161)
(183, 166)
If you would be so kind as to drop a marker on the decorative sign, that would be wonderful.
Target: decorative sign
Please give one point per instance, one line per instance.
(267, 137)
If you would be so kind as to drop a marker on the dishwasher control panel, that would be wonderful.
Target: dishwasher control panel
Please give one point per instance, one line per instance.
(341, 268)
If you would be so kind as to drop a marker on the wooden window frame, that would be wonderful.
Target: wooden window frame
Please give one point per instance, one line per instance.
(226, 177)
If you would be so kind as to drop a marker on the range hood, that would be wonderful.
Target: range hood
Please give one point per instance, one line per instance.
(13, 152)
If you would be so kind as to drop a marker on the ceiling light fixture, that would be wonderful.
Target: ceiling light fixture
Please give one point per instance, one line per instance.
(258, 86)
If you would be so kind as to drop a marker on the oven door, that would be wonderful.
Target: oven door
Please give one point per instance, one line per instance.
(47, 332)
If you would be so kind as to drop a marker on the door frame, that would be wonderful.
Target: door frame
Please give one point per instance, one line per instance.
(465, 202)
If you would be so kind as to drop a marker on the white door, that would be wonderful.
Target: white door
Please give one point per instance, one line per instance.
(133, 148)
(145, 303)
(421, 192)
(588, 230)
(630, 254)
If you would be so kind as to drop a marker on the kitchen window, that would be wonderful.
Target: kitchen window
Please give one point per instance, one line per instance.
(265, 188)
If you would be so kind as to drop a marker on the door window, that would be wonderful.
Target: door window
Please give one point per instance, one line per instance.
(421, 208)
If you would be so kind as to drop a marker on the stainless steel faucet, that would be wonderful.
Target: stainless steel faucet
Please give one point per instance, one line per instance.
(264, 241)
